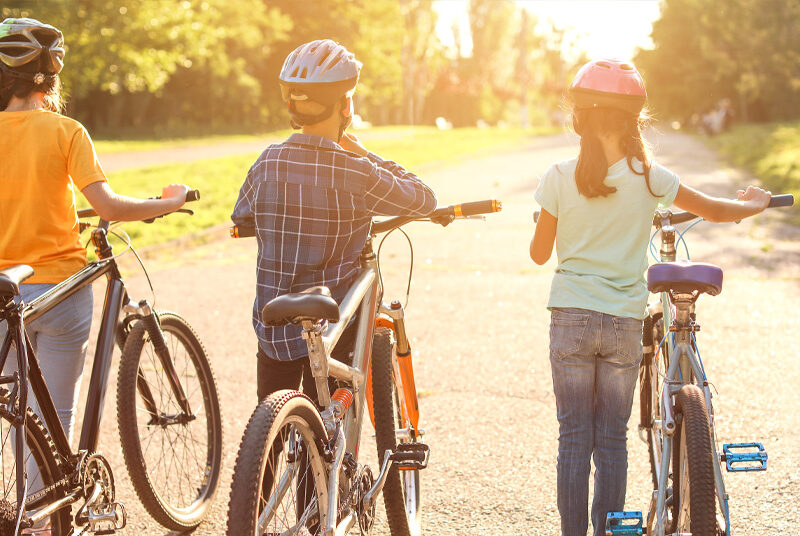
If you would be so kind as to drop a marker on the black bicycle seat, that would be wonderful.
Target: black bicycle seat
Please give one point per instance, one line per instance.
(313, 304)
(685, 277)
(10, 278)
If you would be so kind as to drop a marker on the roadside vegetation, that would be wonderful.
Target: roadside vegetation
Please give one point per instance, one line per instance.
(219, 179)
(771, 151)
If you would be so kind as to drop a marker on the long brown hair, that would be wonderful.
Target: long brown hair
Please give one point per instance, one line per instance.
(592, 168)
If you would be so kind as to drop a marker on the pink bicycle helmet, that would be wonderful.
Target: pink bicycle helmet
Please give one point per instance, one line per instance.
(609, 84)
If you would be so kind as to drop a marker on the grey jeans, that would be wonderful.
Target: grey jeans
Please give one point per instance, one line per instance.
(59, 338)
(595, 362)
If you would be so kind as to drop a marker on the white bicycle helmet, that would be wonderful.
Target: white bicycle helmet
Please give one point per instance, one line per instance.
(31, 47)
(322, 71)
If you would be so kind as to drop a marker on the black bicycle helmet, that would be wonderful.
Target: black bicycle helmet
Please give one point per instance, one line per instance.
(29, 46)
(322, 71)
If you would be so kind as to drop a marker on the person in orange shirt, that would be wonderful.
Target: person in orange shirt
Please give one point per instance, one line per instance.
(45, 157)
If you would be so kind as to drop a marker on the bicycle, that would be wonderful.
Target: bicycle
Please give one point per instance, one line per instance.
(677, 418)
(297, 470)
(166, 398)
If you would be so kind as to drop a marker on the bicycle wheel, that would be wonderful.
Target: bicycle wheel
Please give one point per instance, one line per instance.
(174, 462)
(280, 476)
(694, 498)
(40, 458)
(651, 375)
(401, 493)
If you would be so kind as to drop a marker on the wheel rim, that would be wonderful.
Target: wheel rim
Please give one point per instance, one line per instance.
(34, 463)
(179, 457)
(283, 483)
(684, 517)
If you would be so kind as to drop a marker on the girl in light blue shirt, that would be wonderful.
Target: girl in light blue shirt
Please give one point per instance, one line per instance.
(598, 210)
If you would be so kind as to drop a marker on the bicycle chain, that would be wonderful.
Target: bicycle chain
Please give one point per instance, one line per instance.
(346, 500)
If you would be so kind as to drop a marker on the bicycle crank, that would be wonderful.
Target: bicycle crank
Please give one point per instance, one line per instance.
(100, 514)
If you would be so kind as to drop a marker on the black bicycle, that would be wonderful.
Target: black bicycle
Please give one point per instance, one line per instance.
(167, 410)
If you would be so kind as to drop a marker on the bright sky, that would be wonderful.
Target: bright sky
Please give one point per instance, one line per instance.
(604, 28)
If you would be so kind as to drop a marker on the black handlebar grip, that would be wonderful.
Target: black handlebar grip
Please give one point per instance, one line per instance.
(478, 207)
(783, 200)
(193, 195)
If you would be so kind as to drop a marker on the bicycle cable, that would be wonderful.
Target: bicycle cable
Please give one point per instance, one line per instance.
(128, 242)
(410, 268)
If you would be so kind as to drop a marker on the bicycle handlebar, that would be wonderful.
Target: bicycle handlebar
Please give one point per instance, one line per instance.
(192, 195)
(442, 215)
(782, 200)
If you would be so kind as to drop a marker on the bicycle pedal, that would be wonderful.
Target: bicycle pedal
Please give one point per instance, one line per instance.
(624, 524)
(753, 457)
(411, 456)
(107, 518)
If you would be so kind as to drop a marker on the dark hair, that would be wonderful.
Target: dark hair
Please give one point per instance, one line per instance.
(592, 168)
(20, 82)
(22, 88)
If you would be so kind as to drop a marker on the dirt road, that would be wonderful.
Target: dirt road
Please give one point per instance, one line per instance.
(479, 324)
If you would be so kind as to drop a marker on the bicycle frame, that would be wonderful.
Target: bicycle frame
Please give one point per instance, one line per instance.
(116, 300)
(684, 367)
(362, 298)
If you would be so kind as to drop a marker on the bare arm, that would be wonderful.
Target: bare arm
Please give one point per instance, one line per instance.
(543, 238)
(112, 206)
(718, 209)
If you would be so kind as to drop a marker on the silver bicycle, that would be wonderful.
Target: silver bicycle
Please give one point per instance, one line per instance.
(677, 417)
(298, 470)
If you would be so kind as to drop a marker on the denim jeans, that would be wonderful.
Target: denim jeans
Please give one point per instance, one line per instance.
(595, 361)
(59, 339)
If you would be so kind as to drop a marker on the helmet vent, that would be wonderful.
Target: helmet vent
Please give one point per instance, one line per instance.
(626, 67)
(294, 73)
(304, 74)
(603, 64)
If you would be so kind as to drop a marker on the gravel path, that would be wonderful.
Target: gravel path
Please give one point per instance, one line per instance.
(479, 329)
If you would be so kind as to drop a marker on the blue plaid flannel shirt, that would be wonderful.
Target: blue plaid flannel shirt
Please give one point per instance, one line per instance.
(312, 203)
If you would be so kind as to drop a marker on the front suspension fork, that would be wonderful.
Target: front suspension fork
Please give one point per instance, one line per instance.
(153, 328)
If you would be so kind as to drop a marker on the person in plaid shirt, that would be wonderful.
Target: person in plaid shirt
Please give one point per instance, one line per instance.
(312, 199)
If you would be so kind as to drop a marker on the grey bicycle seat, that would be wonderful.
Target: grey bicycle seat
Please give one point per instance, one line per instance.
(314, 304)
(685, 277)
(10, 278)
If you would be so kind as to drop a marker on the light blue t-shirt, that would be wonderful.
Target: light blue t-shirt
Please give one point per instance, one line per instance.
(601, 242)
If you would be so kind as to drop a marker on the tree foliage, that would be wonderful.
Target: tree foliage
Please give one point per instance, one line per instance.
(191, 65)
(747, 51)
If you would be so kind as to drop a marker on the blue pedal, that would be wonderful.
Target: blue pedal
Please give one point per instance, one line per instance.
(624, 524)
(744, 457)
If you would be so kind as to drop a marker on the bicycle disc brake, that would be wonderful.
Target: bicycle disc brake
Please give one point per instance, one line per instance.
(99, 514)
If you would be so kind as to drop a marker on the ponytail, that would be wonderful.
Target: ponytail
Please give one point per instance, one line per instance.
(22, 85)
(592, 169)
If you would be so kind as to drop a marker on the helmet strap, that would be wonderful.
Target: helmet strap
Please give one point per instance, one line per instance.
(345, 120)
(299, 119)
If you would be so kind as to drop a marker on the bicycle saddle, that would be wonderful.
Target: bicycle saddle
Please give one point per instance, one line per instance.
(314, 303)
(685, 277)
(10, 278)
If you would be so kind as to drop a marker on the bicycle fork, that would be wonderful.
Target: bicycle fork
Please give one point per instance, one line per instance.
(153, 328)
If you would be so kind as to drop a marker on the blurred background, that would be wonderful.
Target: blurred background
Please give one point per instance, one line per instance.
(152, 66)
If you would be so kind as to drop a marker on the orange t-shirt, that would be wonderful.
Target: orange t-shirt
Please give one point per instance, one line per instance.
(43, 157)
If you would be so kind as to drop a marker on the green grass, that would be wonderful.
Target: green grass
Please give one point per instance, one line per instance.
(121, 146)
(219, 179)
(770, 151)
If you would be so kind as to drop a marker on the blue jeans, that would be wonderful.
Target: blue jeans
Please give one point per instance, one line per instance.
(595, 361)
(59, 339)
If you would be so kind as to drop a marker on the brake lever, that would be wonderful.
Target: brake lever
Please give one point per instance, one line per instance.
(445, 220)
